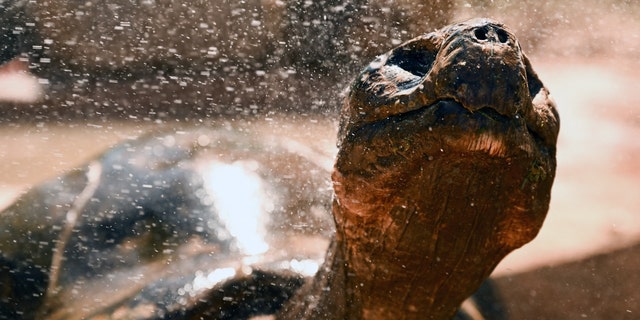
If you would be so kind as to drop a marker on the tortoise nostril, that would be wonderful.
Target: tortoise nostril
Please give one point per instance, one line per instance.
(502, 35)
(480, 34)
(491, 33)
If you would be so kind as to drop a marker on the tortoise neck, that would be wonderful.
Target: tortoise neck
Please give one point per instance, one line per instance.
(379, 279)
(356, 282)
(415, 246)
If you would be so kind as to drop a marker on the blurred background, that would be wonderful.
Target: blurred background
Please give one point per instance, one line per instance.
(77, 77)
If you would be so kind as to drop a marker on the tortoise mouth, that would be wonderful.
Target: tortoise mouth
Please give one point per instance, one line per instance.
(448, 106)
(483, 130)
(450, 126)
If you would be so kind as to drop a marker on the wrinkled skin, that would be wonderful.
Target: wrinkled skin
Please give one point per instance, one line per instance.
(445, 164)
(446, 161)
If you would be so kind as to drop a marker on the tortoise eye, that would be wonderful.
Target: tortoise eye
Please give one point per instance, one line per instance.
(413, 61)
(415, 57)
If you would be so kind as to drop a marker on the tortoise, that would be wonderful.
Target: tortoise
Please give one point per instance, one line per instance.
(445, 163)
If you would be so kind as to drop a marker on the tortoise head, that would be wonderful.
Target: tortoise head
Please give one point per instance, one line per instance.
(477, 64)
(446, 161)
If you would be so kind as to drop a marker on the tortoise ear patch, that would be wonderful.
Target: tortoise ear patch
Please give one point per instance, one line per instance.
(533, 81)
(543, 118)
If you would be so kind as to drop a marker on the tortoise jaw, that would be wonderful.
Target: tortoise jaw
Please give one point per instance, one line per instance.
(484, 130)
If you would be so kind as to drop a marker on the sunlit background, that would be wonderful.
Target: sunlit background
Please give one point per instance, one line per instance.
(586, 53)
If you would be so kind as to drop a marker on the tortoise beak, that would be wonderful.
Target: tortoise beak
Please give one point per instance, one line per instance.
(481, 66)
